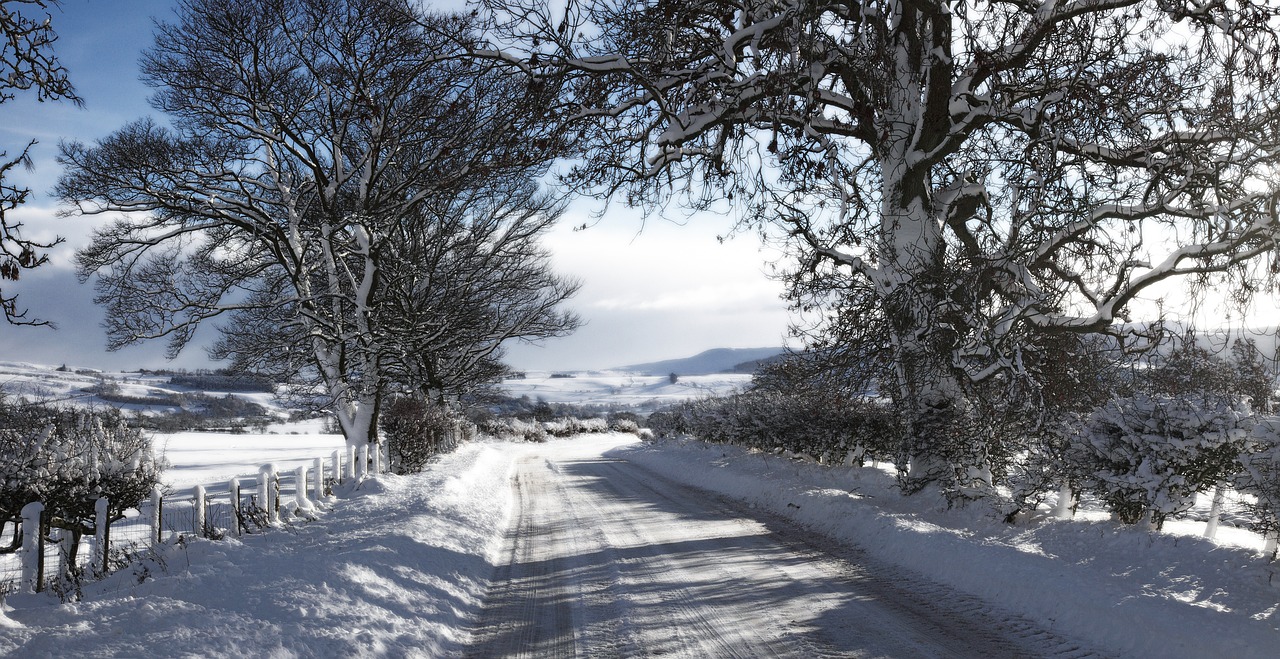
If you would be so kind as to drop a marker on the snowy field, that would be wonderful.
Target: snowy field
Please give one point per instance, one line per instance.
(212, 458)
(399, 566)
(622, 390)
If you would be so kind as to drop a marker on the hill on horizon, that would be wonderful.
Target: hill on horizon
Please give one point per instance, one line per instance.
(709, 362)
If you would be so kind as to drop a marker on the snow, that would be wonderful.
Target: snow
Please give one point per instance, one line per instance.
(213, 458)
(1170, 594)
(621, 389)
(399, 565)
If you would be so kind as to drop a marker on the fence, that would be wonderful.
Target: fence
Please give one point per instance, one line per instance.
(245, 504)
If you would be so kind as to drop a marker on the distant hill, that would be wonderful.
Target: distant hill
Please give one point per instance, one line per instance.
(718, 360)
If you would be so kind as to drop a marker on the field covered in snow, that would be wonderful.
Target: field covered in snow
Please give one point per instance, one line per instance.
(622, 390)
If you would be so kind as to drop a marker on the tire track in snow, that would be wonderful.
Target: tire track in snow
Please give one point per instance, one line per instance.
(607, 559)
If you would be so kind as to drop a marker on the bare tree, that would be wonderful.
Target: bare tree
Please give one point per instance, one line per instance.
(304, 133)
(27, 62)
(469, 277)
(966, 177)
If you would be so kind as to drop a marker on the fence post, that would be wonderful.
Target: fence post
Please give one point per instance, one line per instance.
(1062, 510)
(300, 487)
(101, 536)
(33, 546)
(199, 511)
(338, 472)
(234, 487)
(157, 503)
(352, 455)
(60, 538)
(269, 491)
(319, 484)
(375, 451)
(363, 469)
(1215, 511)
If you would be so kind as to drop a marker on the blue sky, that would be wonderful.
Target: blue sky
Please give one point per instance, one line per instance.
(667, 291)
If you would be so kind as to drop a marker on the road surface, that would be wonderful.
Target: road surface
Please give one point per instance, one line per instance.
(606, 559)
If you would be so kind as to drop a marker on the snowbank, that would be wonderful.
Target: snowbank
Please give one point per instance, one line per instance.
(397, 568)
(1135, 593)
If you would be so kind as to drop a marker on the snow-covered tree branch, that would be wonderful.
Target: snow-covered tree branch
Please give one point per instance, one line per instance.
(27, 62)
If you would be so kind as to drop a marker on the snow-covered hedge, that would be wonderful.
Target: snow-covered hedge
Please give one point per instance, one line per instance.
(1259, 475)
(516, 429)
(415, 430)
(574, 426)
(1147, 456)
(68, 459)
(832, 429)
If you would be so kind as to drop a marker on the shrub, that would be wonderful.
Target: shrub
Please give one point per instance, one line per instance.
(832, 428)
(68, 459)
(1149, 456)
(1260, 475)
(513, 429)
(416, 430)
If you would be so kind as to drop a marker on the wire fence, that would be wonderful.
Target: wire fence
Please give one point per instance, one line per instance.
(243, 505)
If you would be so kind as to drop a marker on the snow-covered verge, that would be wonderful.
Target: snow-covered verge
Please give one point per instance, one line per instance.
(397, 568)
(1169, 594)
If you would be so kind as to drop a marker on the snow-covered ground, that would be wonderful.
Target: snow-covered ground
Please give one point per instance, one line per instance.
(622, 390)
(212, 458)
(399, 567)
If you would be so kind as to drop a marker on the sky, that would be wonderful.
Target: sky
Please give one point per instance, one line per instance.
(651, 290)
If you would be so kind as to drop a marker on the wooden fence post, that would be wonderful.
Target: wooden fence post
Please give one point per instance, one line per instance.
(101, 536)
(234, 487)
(1215, 511)
(338, 472)
(33, 546)
(318, 489)
(300, 487)
(157, 528)
(269, 492)
(60, 538)
(199, 511)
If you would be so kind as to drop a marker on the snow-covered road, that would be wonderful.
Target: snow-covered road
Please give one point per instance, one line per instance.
(604, 558)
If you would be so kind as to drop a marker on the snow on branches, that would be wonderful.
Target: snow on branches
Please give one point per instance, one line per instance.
(1147, 456)
(68, 459)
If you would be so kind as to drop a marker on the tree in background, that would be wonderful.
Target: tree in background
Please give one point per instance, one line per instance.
(1192, 368)
(956, 180)
(307, 139)
(27, 62)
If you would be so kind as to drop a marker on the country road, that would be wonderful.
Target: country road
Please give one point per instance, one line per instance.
(606, 559)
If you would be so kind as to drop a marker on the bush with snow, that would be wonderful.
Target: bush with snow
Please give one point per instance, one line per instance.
(68, 459)
(1147, 456)
(513, 429)
(1260, 475)
(832, 429)
(415, 430)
